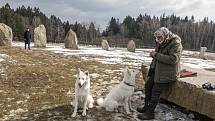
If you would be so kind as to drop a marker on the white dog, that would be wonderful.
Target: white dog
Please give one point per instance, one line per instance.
(83, 99)
(120, 94)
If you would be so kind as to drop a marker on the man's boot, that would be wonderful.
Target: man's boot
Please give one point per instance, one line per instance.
(142, 109)
(149, 113)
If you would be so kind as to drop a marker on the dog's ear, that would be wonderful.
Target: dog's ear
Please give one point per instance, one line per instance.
(87, 73)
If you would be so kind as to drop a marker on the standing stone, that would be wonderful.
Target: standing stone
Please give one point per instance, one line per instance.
(71, 41)
(202, 52)
(131, 46)
(40, 39)
(6, 35)
(105, 45)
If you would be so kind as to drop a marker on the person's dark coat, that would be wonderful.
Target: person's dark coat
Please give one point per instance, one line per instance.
(167, 61)
(27, 36)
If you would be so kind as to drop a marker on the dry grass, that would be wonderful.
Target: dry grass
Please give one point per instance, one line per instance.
(39, 80)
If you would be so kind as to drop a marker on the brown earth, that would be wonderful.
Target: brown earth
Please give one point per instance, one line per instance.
(35, 80)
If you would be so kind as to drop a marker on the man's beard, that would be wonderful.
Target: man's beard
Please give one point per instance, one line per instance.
(159, 41)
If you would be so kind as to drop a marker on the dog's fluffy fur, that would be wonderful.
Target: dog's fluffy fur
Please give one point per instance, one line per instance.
(120, 94)
(83, 99)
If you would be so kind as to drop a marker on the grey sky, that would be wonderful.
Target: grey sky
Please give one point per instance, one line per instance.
(100, 11)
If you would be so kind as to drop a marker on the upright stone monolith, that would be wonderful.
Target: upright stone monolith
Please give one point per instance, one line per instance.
(71, 40)
(6, 35)
(202, 52)
(131, 46)
(40, 39)
(105, 45)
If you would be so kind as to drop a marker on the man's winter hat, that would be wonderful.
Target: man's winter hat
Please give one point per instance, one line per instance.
(163, 31)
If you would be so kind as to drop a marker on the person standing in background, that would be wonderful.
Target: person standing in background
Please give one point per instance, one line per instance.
(27, 38)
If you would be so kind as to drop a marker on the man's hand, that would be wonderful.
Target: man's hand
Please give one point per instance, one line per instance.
(152, 54)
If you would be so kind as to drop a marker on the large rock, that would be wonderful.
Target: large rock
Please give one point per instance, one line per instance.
(71, 41)
(131, 46)
(105, 45)
(202, 52)
(188, 93)
(6, 35)
(40, 39)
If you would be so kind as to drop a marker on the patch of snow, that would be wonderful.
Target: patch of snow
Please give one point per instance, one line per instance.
(121, 55)
(18, 111)
(168, 116)
(10, 99)
(21, 102)
(4, 57)
(1, 70)
(114, 81)
(69, 92)
(76, 75)
(46, 107)
(198, 63)
(94, 75)
(191, 116)
(26, 96)
(2, 91)
(138, 93)
(21, 44)
(186, 52)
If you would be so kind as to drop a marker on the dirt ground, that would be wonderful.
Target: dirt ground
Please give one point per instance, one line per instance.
(37, 85)
(33, 81)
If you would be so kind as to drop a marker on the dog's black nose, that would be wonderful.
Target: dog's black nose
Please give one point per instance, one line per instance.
(79, 85)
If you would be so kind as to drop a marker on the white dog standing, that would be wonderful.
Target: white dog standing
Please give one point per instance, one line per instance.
(83, 99)
(120, 95)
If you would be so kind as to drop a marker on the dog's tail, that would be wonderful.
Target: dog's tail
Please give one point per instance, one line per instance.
(100, 101)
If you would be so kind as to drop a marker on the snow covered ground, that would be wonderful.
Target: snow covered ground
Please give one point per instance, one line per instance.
(122, 56)
(3, 57)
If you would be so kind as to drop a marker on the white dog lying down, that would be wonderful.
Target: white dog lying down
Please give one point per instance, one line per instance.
(83, 99)
(120, 94)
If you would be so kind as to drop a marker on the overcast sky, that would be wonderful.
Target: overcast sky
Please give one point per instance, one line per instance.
(100, 11)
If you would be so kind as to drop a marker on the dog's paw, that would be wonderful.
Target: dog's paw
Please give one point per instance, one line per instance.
(84, 113)
(90, 105)
(74, 114)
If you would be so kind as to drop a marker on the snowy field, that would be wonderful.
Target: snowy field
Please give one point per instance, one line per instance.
(122, 56)
(102, 81)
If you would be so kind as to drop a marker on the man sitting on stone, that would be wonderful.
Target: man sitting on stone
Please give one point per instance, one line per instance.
(164, 70)
(27, 38)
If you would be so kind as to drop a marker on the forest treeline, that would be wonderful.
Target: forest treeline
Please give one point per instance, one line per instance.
(194, 34)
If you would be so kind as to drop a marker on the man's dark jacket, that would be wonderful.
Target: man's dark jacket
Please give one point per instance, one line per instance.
(27, 36)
